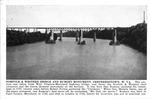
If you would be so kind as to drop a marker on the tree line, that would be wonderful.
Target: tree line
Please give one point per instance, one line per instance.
(19, 37)
(134, 36)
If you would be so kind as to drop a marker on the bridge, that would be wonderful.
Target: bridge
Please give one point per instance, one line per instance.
(79, 30)
(62, 28)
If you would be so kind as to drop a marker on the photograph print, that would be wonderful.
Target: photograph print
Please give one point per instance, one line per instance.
(80, 42)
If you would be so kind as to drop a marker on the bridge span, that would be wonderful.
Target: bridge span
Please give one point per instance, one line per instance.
(79, 31)
(61, 28)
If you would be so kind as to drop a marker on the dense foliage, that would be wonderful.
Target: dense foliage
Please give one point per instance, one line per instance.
(134, 36)
(20, 37)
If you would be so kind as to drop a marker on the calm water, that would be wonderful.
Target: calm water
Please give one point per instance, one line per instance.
(68, 60)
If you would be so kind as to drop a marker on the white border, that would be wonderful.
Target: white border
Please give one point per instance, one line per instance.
(63, 2)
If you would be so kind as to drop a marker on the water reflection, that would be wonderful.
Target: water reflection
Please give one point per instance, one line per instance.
(68, 60)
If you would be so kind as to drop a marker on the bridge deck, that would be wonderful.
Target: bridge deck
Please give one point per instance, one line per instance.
(64, 28)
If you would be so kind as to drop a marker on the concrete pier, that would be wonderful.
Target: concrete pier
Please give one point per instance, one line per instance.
(80, 36)
(94, 37)
(35, 30)
(51, 37)
(60, 39)
(46, 31)
(20, 29)
(77, 36)
(81, 42)
(27, 30)
(115, 36)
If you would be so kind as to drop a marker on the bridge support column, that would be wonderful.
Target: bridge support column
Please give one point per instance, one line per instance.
(80, 36)
(46, 35)
(35, 30)
(60, 39)
(114, 39)
(46, 31)
(115, 36)
(25, 30)
(77, 36)
(21, 29)
(94, 37)
(51, 37)
(28, 30)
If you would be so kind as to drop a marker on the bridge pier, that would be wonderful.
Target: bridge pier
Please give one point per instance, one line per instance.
(27, 30)
(94, 37)
(51, 35)
(60, 39)
(46, 34)
(80, 36)
(115, 36)
(77, 35)
(20, 29)
(114, 39)
(35, 30)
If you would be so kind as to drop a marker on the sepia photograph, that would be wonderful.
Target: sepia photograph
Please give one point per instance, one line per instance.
(76, 42)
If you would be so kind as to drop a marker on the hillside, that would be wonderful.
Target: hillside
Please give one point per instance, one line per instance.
(134, 36)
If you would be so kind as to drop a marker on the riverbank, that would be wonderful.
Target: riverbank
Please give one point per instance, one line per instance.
(19, 37)
(134, 36)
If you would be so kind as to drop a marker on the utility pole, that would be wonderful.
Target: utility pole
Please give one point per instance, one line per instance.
(144, 17)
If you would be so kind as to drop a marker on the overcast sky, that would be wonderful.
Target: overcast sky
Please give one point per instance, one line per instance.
(74, 16)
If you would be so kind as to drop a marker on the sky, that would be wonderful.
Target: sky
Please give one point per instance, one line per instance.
(74, 16)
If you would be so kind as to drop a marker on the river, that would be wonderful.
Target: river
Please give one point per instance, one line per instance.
(68, 60)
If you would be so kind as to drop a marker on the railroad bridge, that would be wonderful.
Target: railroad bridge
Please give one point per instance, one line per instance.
(61, 29)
